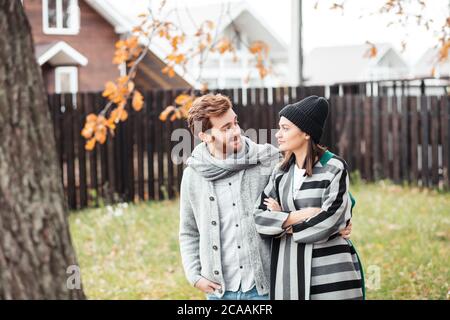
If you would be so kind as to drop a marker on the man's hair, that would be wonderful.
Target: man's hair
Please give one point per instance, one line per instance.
(204, 107)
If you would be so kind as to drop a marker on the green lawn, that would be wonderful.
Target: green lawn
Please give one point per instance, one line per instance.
(401, 233)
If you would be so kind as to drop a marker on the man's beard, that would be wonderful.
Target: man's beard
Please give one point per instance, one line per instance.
(234, 147)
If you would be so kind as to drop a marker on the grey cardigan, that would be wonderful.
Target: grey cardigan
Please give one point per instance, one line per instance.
(199, 232)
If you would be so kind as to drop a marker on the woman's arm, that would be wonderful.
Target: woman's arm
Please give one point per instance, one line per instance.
(300, 216)
(334, 212)
(269, 223)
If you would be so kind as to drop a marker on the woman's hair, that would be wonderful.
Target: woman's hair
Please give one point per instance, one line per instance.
(314, 153)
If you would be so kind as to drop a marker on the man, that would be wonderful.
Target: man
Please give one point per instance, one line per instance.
(222, 253)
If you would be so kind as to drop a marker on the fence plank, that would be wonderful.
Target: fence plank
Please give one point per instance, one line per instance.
(159, 146)
(368, 138)
(384, 115)
(357, 118)
(404, 141)
(81, 100)
(396, 155)
(377, 142)
(92, 155)
(414, 132)
(69, 150)
(151, 117)
(424, 129)
(434, 113)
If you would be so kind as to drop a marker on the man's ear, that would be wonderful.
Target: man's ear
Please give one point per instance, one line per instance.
(204, 137)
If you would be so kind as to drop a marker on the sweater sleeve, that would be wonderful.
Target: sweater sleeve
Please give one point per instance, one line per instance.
(189, 235)
(336, 208)
(269, 223)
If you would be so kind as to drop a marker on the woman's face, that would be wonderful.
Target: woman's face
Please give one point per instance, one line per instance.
(290, 137)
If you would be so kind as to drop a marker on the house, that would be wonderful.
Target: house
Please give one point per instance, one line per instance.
(429, 61)
(341, 64)
(74, 45)
(221, 70)
(435, 73)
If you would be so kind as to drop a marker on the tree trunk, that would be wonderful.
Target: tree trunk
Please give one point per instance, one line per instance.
(37, 260)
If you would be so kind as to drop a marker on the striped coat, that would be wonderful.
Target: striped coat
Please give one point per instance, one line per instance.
(314, 262)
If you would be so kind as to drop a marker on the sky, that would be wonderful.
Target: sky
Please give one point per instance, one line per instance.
(323, 27)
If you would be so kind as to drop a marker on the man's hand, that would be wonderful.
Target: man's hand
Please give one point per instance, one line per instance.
(206, 286)
(272, 204)
(345, 233)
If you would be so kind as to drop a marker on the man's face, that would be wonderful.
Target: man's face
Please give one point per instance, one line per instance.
(225, 133)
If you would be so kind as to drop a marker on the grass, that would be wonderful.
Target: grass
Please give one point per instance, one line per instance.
(401, 233)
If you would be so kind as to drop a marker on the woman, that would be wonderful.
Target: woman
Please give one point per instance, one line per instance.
(303, 207)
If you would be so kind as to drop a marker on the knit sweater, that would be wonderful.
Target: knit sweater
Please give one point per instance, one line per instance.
(199, 233)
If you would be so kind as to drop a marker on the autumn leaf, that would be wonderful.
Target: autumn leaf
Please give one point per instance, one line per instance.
(138, 101)
(224, 45)
(119, 44)
(90, 144)
(91, 117)
(169, 71)
(371, 51)
(176, 115)
(163, 115)
(130, 86)
(176, 58)
(182, 99)
(443, 51)
(110, 89)
(123, 114)
(259, 47)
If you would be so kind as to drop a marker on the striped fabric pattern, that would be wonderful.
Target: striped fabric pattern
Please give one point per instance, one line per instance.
(314, 262)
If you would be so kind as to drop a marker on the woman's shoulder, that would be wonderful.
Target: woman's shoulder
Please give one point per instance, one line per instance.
(334, 161)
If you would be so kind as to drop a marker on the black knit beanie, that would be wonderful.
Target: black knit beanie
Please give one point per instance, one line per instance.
(308, 114)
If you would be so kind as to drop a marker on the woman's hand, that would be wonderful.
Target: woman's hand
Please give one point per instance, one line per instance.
(272, 204)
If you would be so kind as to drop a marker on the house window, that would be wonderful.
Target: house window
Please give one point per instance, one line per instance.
(66, 79)
(60, 16)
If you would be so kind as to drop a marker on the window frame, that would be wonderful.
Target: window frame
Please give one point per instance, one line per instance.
(73, 73)
(59, 29)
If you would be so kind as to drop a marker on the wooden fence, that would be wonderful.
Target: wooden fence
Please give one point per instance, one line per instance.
(405, 139)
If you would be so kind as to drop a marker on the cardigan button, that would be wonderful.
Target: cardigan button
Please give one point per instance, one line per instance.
(220, 291)
(216, 272)
(211, 198)
(213, 223)
(214, 247)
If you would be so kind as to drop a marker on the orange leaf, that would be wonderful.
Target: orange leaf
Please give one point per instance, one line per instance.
(163, 115)
(90, 144)
(110, 89)
(91, 117)
(130, 86)
(100, 136)
(123, 115)
(88, 130)
(224, 45)
(182, 99)
(138, 101)
(120, 44)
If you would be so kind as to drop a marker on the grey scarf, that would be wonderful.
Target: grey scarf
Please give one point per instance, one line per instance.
(251, 154)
